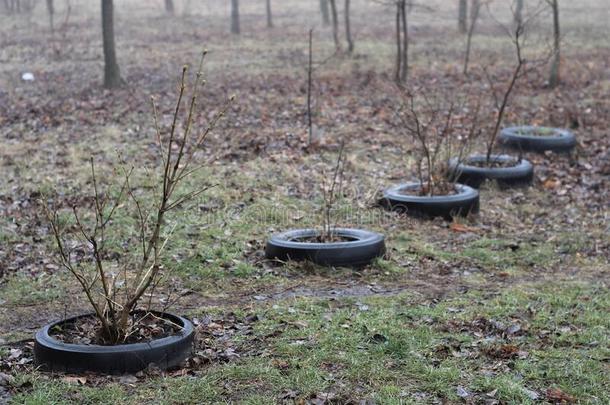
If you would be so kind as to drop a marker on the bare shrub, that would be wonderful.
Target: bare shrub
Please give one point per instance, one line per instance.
(435, 126)
(123, 236)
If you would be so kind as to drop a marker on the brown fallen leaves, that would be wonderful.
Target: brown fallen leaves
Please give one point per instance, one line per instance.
(76, 380)
(551, 183)
(505, 352)
(458, 227)
(558, 396)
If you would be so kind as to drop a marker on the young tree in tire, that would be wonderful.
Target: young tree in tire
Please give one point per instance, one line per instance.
(119, 262)
(330, 190)
(112, 74)
(502, 102)
(429, 124)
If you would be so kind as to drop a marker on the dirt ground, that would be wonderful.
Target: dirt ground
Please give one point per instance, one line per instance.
(552, 237)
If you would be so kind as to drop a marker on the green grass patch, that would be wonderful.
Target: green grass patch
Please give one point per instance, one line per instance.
(399, 349)
(20, 289)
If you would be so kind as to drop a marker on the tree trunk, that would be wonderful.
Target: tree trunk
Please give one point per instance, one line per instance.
(555, 76)
(112, 75)
(518, 18)
(235, 17)
(333, 9)
(169, 7)
(348, 31)
(325, 12)
(309, 86)
(51, 11)
(463, 16)
(402, 42)
(269, 15)
(398, 44)
(475, 7)
(405, 42)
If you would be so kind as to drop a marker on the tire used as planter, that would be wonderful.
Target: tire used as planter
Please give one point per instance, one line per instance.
(359, 249)
(525, 138)
(54, 355)
(462, 203)
(522, 173)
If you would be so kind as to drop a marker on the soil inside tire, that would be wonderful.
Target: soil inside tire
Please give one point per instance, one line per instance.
(493, 163)
(539, 132)
(145, 327)
(439, 190)
(323, 239)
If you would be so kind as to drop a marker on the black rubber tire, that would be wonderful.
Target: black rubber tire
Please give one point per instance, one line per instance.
(53, 355)
(465, 202)
(561, 140)
(362, 250)
(520, 175)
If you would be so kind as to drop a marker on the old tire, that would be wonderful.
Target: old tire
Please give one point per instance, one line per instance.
(521, 174)
(54, 355)
(464, 202)
(362, 248)
(522, 138)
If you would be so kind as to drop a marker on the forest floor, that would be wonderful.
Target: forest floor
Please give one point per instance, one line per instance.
(508, 306)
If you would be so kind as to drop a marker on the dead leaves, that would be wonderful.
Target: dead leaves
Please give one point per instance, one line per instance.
(280, 364)
(505, 352)
(551, 184)
(558, 396)
(459, 227)
(18, 357)
(295, 397)
(216, 339)
(76, 380)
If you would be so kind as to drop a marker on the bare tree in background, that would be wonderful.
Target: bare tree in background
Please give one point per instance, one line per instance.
(402, 42)
(475, 8)
(309, 87)
(269, 15)
(333, 9)
(518, 14)
(169, 7)
(235, 17)
(112, 75)
(325, 12)
(555, 77)
(348, 31)
(10, 6)
(51, 11)
(58, 42)
(463, 16)
(19, 6)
